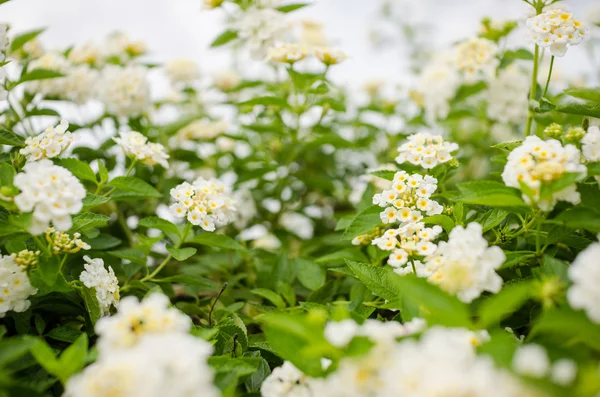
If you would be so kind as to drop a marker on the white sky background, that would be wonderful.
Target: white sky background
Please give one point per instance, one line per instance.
(181, 28)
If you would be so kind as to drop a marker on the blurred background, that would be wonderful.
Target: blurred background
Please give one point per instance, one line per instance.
(376, 34)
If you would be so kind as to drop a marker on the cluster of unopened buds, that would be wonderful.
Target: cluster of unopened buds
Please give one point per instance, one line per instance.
(26, 259)
(62, 243)
(292, 52)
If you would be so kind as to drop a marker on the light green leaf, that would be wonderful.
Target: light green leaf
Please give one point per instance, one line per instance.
(130, 254)
(91, 303)
(362, 223)
(581, 218)
(491, 194)
(72, 360)
(567, 327)
(265, 101)
(588, 94)
(443, 220)
(271, 296)
(78, 168)
(130, 187)
(10, 138)
(21, 39)
(88, 220)
(497, 307)
(224, 38)
(310, 274)
(92, 200)
(217, 241)
(579, 107)
(40, 74)
(163, 225)
(292, 7)
(181, 254)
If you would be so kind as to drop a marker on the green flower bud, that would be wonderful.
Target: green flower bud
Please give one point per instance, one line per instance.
(554, 131)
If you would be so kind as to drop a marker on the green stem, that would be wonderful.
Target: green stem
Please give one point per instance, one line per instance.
(549, 75)
(62, 263)
(164, 263)
(533, 89)
(41, 244)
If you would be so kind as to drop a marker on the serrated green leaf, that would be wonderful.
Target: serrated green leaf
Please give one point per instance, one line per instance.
(490, 193)
(92, 200)
(10, 138)
(88, 220)
(362, 223)
(130, 187)
(164, 225)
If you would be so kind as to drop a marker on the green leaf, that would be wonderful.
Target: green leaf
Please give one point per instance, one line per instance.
(490, 193)
(7, 174)
(579, 107)
(508, 146)
(21, 39)
(588, 94)
(131, 254)
(492, 218)
(224, 38)
(78, 168)
(181, 254)
(568, 326)
(217, 241)
(443, 220)
(362, 223)
(566, 180)
(265, 101)
(14, 348)
(72, 360)
(271, 296)
(510, 56)
(154, 222)
(130, 187)
(92, 200)
(435, 305)
(40, 74)
(104, 241)
(467, 90)
(385, 174)
(102, 171)
(497, 307)
(580, 218)
(88, 220)
(45, 356)
(292, 7)
(91, 303)
(10, 138)
(310, 274)
(241, 366)
(64, 334)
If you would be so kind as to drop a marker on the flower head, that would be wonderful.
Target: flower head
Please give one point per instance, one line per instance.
(51, 193)
(136, 145)
(329, 56)
(476, 58)
(125, 91)
(585, 275)
(49, 143)
(182, 71)
(15, 287)
(287, 53)
(260, 27)
(103, 281)
(557, 30)
(206, 203)
(537, 163)
(426, 150)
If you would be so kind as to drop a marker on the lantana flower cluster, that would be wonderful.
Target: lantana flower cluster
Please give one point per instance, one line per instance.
(136, 145)
(103, 281)
(51, 193)
(125, 91)
(585, 275)
(145, 349)
(507, 95)
(15, 286)
(537, 163)
(49, 143)
(476, 58)
(426, 150)
(205, 202)
(260, 27)
(556, 29)
(199, 130)
(442, 359)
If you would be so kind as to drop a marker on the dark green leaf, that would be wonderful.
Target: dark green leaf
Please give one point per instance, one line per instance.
(310, 274)
(269, 295)
(130, 187)
(216, 240)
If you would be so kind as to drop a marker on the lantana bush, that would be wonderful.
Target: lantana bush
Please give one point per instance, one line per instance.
(268, 231)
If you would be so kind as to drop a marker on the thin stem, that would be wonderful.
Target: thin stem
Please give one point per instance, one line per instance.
(212, 307)
(62, 263)
(126, 174)
(533, 88)
(164, 263)
(549, 75)
(41, 244)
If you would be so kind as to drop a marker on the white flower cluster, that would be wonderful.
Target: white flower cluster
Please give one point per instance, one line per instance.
(465, 265)
(341, 333)
(536, 163)
(590, 144)
(260, 27)
(49, 143)
(136, 145)
(125, 91)
(119, 46)
(426, 150)
(145, 350)
(77, 85)
(288, 53)
(507, 95)
(585, 275)
(476, 59)
(51, 192)
(15, 287)
(412, 241)
(187, 137)
(556, 29)
(532, 360)
(135, 319)
(436, 86)
(103, 281)
(408, 199)
(443, 361)
(205, 202)
(297, 224)
(4, 43)
(182, 71)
